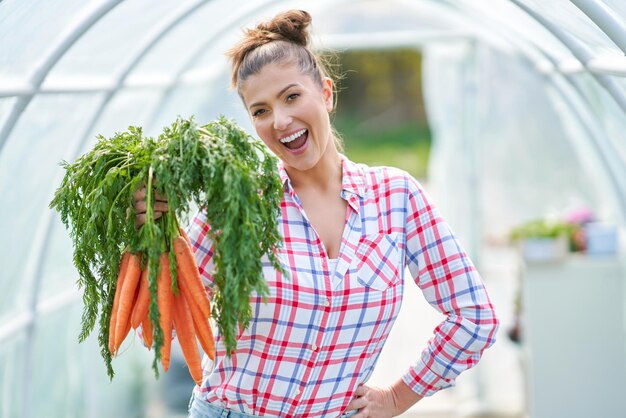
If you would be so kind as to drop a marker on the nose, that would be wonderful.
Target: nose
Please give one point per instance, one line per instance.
(282, 119)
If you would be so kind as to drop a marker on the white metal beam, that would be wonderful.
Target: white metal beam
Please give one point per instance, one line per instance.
(606, 19)
(18, 323)
(391, 39)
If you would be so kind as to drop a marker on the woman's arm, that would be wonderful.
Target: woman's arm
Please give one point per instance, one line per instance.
(451, 284)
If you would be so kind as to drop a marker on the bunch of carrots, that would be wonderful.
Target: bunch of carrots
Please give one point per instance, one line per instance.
(148, 276)
(186, 311)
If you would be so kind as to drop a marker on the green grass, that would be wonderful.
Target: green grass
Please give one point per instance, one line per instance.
(405, 146)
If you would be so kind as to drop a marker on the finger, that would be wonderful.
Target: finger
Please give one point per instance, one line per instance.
(361, 390)
(140, 194)
(160, 206)
(160, 197)
(357, 403)
(140, 220)
(140, 206)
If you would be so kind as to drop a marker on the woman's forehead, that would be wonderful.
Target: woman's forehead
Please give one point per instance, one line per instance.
(272, 80)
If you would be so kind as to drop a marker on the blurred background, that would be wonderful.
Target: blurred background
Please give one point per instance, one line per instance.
(512, 113)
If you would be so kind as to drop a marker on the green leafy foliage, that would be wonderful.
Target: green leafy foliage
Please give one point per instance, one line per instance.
(541, 228)
(219, 168)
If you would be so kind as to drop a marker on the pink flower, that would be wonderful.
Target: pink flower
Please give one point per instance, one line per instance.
(579, 216)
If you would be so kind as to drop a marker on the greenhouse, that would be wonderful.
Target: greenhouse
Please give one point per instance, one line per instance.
(510, 113)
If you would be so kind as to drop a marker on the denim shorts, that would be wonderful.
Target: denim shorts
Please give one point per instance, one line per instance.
(200, 409)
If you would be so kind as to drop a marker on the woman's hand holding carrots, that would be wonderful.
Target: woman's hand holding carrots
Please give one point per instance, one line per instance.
(139, 199)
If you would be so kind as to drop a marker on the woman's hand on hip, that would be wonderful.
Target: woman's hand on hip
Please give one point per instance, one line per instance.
(372, 402)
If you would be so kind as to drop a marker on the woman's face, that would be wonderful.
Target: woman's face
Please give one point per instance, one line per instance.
(290, 113)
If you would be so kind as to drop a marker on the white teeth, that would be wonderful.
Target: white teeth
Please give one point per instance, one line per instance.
(293, 137)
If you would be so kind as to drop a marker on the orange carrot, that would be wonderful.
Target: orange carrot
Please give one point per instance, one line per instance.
(186, 337)
(124, 334)
(127, 298)
(184, 235)
(190, 276)
(164, 300)
(140, 311)
(118, 291)
(201, 325)
(146, 326)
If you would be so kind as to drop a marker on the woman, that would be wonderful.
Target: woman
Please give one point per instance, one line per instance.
(349, 232)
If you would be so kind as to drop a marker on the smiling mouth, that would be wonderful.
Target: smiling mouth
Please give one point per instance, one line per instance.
(296, 140)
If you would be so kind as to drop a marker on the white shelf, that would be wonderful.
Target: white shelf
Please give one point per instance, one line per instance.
(575, 337)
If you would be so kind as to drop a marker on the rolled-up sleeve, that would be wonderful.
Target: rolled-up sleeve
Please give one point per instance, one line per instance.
(451, 284)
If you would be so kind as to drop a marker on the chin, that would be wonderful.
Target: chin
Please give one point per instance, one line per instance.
(302, 163)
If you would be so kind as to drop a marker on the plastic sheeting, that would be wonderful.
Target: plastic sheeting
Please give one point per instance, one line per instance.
(522, 126)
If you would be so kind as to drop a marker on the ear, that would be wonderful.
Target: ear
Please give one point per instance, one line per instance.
(327, 91)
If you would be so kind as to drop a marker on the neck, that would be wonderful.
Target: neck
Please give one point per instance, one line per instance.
(325, 176)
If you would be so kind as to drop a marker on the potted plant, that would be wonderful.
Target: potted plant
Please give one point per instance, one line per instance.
(543, 239)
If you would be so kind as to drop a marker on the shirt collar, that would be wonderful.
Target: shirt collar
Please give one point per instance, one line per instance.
(353, 176)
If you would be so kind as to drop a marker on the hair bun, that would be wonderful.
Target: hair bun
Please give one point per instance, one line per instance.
(291, 25)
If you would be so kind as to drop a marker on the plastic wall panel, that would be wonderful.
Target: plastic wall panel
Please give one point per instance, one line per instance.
(124, 109)
(6, 104)
(60, 387)
(11, 375)
(528, 166)
(206, 102)
(512, 19)
(608, 113)
(218, 44)
(58, 271)
(27, 30)
(618, 6)
(107, 44)
(75, 384)
(29, 173)
(174, 50)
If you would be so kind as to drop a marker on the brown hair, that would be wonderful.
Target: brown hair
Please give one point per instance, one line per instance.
(283, 40)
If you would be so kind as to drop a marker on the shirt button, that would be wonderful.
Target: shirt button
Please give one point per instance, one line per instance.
(297, 392)
(314, 347)
(327, 302)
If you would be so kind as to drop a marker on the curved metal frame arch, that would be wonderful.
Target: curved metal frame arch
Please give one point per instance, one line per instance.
(39, 74)
(42, 237)
(604, 150)
(580, 51)
(53, 56)
(44, 230)
(605, 18)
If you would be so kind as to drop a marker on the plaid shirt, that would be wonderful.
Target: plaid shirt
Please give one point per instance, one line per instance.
(320, 334)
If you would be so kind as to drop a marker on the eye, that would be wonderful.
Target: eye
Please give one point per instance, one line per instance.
(258, 113)
(292, 96)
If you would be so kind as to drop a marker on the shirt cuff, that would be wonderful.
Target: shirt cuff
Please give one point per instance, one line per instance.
(424, 381)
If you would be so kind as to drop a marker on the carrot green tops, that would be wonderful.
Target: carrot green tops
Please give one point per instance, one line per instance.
(319, 335)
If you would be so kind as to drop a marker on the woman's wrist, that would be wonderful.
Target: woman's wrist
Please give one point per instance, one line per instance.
(403, 397)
